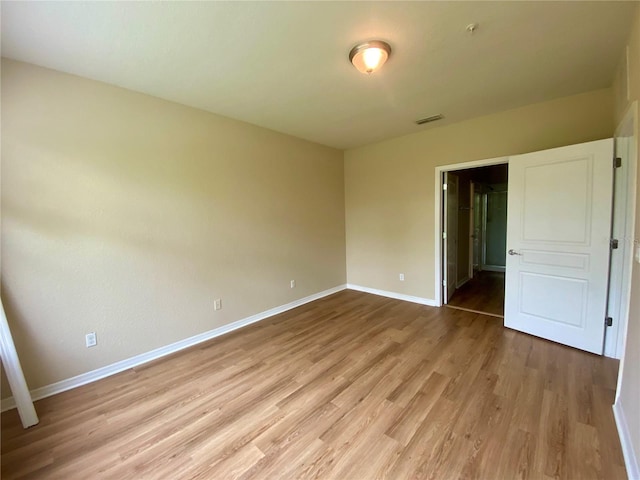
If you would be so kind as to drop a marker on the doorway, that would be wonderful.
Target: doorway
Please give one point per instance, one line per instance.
(474, 238)
(623, 225)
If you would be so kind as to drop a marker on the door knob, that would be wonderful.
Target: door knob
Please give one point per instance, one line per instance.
(513, 252)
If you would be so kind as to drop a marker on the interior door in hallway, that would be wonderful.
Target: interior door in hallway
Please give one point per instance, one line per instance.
(559, 222)
(450, 237)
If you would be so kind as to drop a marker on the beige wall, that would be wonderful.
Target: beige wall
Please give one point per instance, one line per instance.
(628, 395)
(128, 215)
(390, 185)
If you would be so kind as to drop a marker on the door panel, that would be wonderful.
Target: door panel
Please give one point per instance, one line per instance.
(451, 235)
(557, 299)
(564, 189)
(559, 217)
(477, 230)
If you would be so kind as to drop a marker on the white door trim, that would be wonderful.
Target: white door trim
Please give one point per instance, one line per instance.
(12, 368)
(630, 119)
(439, 217)
(450, 241)
(619, 300)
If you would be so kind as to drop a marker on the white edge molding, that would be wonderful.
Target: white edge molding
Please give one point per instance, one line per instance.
(12, 368)
(630, 460)
(94, 375)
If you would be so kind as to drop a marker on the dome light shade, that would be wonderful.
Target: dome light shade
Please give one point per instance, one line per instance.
(369, 57)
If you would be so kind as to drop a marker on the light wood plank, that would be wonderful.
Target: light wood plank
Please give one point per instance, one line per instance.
(350, 386)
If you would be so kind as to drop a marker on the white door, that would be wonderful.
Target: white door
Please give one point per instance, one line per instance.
(559, 223)
(450, 235)
(472, 233)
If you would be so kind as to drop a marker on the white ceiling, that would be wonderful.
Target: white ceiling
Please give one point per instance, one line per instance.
(284, 65)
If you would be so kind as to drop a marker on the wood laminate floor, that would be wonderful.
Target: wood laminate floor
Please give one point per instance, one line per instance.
(353, 386)
(483, 293)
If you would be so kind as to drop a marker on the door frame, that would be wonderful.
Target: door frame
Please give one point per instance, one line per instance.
(13, 370)
(452, 283)
(440, 217)
(616, 335)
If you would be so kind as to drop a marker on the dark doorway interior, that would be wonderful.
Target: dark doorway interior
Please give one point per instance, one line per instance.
(481, 239)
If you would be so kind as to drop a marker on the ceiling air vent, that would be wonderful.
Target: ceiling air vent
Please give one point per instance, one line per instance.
(432, 118)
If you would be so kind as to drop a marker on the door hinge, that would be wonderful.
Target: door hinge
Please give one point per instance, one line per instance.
(613, 243)
(444, 235)
(444, 283)
(444, 186)
(617, 162)
(608, 321)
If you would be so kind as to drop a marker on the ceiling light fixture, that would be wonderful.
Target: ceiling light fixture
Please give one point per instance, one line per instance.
(369, 57)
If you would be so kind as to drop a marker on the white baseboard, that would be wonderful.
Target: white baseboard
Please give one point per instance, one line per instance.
(493, 268)
(462, 282)
(630, 460)
(397, 296)
(94, 375)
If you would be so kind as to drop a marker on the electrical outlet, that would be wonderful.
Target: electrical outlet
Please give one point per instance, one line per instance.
(217, 304)
(293, 284)
(402, 277)
(91, 339)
